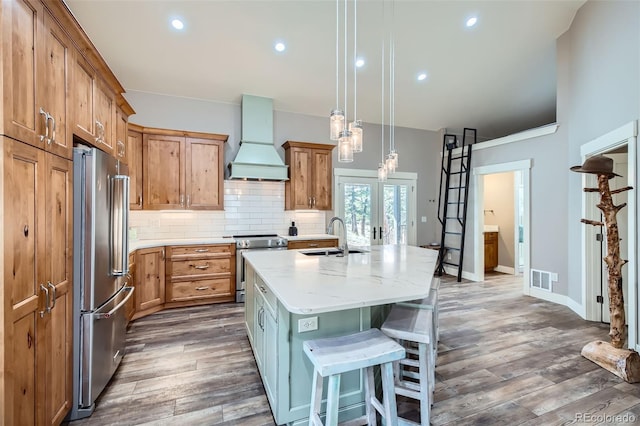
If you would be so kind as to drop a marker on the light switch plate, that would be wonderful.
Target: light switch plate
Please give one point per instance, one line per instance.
(307, 324)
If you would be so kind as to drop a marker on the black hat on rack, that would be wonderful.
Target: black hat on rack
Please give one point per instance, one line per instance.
(597, 165)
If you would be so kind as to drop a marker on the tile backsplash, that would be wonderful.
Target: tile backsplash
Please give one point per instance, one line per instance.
(249, 207)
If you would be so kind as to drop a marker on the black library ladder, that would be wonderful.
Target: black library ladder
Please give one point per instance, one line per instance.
(452, 203)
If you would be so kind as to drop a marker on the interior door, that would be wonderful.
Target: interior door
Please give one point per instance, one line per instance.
(619, 167)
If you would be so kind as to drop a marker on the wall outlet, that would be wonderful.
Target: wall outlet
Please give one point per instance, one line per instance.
(423, 219)
(307, 324)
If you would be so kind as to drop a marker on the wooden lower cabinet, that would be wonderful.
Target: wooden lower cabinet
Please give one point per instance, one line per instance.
(36, 361)
(149, 294)
(310, 244)
(199, 274)
(490, 250)
(130, 306)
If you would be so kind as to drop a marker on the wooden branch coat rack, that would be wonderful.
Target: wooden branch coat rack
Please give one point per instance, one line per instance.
(611, 356)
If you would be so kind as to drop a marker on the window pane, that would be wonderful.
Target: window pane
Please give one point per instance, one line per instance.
(357, 213)
(395, 214)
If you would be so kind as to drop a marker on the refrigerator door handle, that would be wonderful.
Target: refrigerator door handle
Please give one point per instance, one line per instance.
(117, 307)
(120, 226)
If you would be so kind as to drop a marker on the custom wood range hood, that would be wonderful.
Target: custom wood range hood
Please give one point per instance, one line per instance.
(257, 158)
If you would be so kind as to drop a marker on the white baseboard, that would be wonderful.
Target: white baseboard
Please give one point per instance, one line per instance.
(577, 307)
(466, 275)
(505, 269)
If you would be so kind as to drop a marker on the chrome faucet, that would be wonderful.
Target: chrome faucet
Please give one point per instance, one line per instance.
(345, 248)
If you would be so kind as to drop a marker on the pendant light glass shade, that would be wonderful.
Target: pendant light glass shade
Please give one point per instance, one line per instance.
(345, 147)
(356, 135)
(382, 172)
(336, 123)
(389, 164)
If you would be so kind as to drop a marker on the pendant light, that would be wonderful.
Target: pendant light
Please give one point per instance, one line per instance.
(391, 162)
(337, 117)
(345, 142)
(382, 170)
(356, 125)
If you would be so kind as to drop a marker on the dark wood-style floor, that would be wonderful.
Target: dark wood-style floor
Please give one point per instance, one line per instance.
(504, 359)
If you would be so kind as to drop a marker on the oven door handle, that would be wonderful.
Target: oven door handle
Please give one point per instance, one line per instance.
(109, 314)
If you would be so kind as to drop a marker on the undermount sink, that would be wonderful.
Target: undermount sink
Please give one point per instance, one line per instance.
(491, 228)
(329, 252)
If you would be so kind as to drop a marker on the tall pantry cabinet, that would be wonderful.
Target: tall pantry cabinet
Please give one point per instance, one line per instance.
(40, 42)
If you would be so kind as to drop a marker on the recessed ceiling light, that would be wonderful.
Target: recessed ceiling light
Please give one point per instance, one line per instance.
(359, 62)
(177, 24)
(280, 47)
(422, 76)
(472, 21)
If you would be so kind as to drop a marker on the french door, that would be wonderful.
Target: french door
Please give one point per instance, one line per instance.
(377, 212)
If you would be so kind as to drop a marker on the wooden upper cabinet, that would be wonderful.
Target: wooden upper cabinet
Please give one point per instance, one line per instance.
(164, 172)
(121, 145)
(310, 176)
(205, 174)
(94, 113)
(182, 172)
(35, 63)
(134, 157)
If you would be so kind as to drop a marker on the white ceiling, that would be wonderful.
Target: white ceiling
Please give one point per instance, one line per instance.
(498, 76)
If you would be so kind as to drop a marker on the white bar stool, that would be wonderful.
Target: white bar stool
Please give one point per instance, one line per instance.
(336, 355)
(413, 326)
(429, 303)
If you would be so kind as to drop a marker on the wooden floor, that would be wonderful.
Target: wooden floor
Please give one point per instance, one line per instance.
(504, 359)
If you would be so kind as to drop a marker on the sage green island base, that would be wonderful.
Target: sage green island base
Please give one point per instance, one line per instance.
(292, 297)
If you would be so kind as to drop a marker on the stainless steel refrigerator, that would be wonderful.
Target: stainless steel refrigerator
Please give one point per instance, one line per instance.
(101, 272)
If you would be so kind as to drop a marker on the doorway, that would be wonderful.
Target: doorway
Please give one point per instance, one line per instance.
(519, 224)
(620, 145)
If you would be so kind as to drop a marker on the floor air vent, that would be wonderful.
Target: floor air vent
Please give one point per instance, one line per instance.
(542, 279)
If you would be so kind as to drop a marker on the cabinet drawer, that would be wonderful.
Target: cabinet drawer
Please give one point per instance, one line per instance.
(195, 267)
(194, 252)
(201, 289)
(270, 299)
(303, 244)
(490, 237)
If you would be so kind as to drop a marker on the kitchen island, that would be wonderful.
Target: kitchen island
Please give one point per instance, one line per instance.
(293, 296)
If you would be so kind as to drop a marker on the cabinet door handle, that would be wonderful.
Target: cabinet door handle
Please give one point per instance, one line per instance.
(313, 201)
(140, 200)
(53, 296)
(380, 233)
(313, 245)
(53, 129)
(45, 137)
(46, 295)
(188, 200)
(182, 200)
(374, 232)
(202, 288)
(201, 250)
(201, 266)
(309, 202)
(162, 254)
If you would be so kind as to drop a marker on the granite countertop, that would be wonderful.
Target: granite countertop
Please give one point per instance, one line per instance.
(317, 284)
(140, 244)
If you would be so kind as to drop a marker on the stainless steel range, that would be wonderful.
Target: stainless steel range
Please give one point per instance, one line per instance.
(253, 242)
